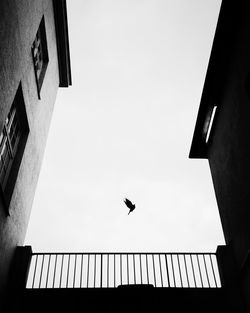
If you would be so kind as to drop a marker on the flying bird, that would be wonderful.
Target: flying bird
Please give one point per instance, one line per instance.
(129, 204)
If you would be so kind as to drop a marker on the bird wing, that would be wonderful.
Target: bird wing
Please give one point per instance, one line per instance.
(128, 203)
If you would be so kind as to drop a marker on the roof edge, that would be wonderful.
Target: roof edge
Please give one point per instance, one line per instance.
(62, 38)
(213, 81)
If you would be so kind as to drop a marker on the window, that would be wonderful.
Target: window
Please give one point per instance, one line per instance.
(12, 140)
(40, 55)
(210, 122)
(8, 140)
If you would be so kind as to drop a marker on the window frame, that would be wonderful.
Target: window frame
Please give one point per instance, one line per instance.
(16, 117)
(40, 55)
(210, 123)
(7, 145)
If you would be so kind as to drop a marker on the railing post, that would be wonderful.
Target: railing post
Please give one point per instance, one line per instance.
(226, 265)
(20, 268)
(229, 275)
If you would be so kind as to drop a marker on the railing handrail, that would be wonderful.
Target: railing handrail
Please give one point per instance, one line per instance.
(123, 253)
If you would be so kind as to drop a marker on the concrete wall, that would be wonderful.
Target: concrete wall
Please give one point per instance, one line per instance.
(19, 21)
(229, 150)
(137, 299)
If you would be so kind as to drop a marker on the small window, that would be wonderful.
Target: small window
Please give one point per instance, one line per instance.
(210, 123)
(12, 140)
(40, 55)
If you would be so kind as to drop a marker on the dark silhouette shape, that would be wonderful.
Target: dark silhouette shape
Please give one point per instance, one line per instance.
(129, 204)
(136, 286)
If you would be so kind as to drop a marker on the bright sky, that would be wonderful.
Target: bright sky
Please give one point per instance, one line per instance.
(124, 129)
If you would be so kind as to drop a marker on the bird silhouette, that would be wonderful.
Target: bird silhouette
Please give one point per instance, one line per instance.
(129, 204)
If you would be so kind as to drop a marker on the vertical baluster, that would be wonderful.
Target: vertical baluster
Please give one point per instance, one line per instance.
(54, 272)
(166, 260)
(121, 267)
(74, 272)
(173, 269)
(193, 270)
(61, 271)
(108, 271)
(114, 272)
(206, 270)
(154, 268)
(94, 269)
(127, 270)
(213, 271)
(199, 270)
(134, 269)
(101, 269)
(179, 269)
(48, 271)
(160, 269)
(186, 269)
(81, 271)
(147, 266)
(34, 275)
(41, 274)
(88, 272)
(68, 272)
(140, 268)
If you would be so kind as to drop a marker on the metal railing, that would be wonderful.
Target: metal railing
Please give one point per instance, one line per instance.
(109, 270)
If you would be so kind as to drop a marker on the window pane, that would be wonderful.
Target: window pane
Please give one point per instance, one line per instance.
(40, 54)
(5, 157)
(1, 138)
(14, 132)
(1, 165)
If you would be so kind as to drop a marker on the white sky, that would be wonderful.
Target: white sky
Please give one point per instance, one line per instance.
(124, 129)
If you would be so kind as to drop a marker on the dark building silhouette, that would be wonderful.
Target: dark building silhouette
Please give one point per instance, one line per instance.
(34, 62)
(222, 136)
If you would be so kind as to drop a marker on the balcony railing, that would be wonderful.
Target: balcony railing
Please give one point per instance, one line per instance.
(109, 270)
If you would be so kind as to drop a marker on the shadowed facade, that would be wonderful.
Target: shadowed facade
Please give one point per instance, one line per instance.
(34, 62)
(222, 135)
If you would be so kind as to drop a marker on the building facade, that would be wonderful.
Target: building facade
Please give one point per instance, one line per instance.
(34, 62)
(222, 133)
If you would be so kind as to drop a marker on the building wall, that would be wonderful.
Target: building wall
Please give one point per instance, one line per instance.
(229, 149)
(19, 23)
